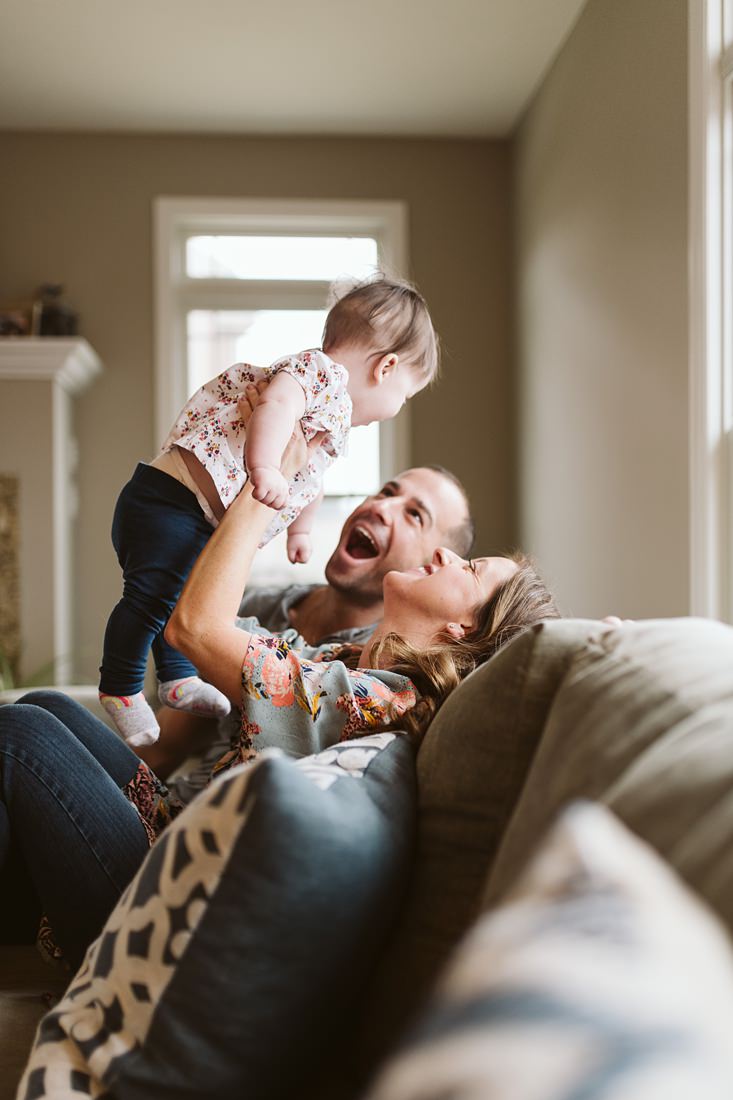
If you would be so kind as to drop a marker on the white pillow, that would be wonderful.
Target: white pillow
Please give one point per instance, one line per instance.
(599, 977)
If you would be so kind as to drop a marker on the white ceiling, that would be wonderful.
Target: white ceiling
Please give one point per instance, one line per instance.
(463, 68)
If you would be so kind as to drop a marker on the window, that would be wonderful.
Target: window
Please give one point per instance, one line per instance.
(711, 307)
(249, 280)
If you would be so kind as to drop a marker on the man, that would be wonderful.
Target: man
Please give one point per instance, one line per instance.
(397, 528)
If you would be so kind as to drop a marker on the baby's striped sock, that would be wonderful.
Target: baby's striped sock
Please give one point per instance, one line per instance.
(133, 718)
(195, 695)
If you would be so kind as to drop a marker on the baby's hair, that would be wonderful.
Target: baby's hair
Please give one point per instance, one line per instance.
(388, 315)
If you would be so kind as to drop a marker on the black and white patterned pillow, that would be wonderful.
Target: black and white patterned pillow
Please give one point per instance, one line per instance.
(600, 978)
(245, 936)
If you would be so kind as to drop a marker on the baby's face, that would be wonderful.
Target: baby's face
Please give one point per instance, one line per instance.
(385, 390)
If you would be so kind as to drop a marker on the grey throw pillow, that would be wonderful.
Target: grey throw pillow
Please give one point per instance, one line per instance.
(245, 937)
(600, 977)
(643, 722)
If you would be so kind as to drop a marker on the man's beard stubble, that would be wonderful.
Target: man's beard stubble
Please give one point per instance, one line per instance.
(361, 589)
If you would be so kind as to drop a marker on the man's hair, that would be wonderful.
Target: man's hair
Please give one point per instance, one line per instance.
(388, 315)
(459, 538)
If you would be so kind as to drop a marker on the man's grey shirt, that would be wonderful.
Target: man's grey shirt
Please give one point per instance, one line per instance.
(272, 607)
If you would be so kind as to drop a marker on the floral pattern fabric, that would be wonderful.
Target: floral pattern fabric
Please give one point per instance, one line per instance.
(209, 426)
(153, 801)
(303, 701)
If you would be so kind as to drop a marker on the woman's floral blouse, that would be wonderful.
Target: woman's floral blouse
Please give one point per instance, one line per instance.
(302, 700)
(209, 425)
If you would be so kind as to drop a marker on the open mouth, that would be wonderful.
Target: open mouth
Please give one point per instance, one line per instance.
(360, 544)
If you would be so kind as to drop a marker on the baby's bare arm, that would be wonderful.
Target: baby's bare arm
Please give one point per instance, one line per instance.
(299, 532)
(303, 523)
(275, 415)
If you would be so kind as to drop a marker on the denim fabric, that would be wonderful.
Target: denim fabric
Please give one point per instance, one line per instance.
(69, 839)
(158, 531)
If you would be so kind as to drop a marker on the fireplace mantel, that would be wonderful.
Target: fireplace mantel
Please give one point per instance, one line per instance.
(67, 361)
(39, 380)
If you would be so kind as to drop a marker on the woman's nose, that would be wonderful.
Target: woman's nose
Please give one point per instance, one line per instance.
(443, 556)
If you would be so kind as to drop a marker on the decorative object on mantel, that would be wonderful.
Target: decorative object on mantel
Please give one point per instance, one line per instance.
(16, 318)
(9, 579)
(56, 318)
(45, 315)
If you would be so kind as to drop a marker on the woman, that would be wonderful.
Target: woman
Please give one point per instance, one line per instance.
(78, 809)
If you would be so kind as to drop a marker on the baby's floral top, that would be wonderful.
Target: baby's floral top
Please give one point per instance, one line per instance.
(295, 700)
(210, 427)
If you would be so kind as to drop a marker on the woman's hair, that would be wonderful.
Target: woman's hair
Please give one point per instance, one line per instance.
(518, 603)
(388, 315)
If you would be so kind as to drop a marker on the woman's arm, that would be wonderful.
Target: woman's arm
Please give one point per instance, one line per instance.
(202, 624)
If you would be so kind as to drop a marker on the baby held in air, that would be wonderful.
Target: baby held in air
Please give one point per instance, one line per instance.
(379, 349)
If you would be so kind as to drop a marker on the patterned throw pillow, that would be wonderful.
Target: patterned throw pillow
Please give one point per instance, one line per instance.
(245, 936)
(601, 977)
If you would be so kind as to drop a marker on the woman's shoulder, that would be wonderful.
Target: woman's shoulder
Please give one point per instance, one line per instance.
(271, 658)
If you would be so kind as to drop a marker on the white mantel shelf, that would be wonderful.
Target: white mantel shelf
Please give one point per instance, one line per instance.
(68, 361)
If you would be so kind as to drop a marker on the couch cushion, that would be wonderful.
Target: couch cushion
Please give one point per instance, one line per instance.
(244, 938)
(643, 721)
(471, 769)
(600, 977)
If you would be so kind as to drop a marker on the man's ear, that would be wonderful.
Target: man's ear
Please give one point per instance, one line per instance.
(384, 366)
(456, 630)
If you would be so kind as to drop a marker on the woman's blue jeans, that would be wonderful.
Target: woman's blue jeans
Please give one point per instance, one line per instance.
(70, 841)
(158, 531)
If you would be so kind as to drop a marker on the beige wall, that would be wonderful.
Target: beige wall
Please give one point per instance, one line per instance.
(77, 209)
(601, 201)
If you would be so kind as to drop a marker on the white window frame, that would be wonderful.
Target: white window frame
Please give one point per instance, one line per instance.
(175, 219)
(711, 307)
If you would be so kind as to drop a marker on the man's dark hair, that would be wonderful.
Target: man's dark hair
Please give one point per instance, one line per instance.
(460, 538)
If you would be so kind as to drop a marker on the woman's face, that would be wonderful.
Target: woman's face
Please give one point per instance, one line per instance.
(447, 591)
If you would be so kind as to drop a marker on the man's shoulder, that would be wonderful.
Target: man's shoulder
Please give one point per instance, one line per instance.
(271, 604)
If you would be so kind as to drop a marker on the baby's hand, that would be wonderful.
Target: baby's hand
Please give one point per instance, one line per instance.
(299, 547)
(269, 486)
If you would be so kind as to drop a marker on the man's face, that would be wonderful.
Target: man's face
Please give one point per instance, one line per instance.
(398, 528)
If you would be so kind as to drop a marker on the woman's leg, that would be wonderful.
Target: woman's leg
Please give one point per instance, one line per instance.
(119, 761)
(62, 810)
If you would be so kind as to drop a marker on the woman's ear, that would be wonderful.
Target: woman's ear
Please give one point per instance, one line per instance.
(456, 630)
(384, 366)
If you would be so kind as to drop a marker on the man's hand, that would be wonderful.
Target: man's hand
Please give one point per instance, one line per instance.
(299, 547)
(269, 486)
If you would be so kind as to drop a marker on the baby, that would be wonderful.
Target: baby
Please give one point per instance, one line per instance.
(379, 349)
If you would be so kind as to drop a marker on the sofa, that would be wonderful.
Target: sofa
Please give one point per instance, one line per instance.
(537, 907)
